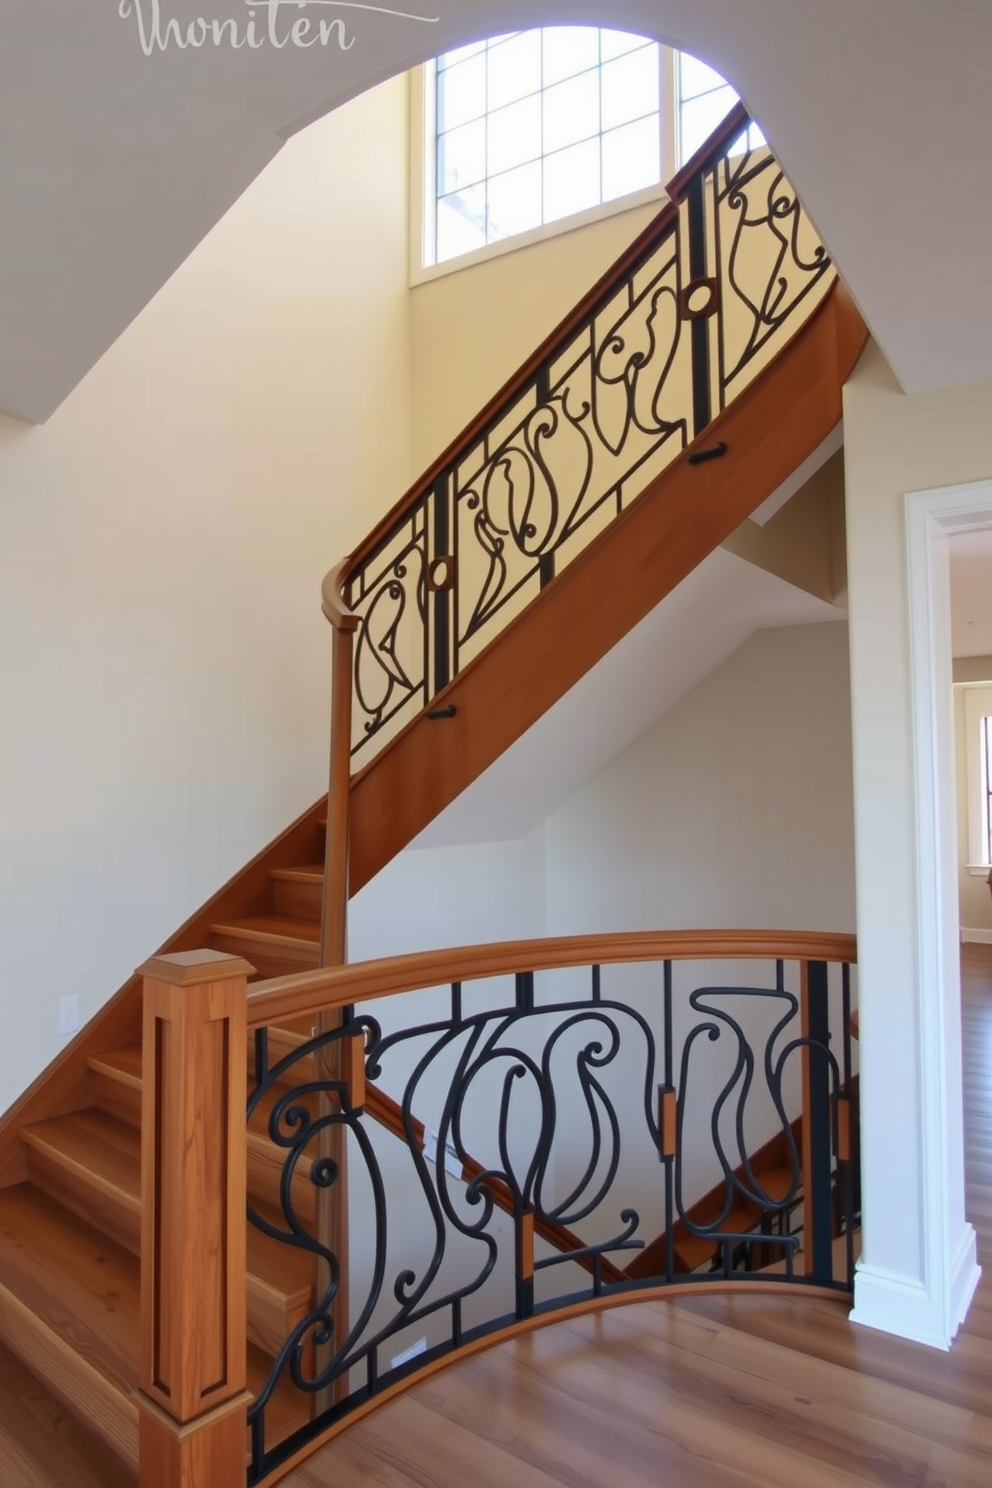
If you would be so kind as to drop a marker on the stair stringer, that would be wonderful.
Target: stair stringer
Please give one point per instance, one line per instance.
(769, 430)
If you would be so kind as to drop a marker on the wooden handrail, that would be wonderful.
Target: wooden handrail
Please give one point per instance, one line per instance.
(615, 275)
(333, 602)
(281, 998)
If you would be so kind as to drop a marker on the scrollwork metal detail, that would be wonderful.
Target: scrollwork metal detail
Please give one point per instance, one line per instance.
(618, 398)
(546, 1117)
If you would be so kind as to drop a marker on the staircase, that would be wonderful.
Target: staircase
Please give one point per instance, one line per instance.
(70, 1149)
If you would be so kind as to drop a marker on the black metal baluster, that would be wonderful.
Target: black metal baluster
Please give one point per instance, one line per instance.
(851, 1155)
(819, 1243)
(699, 330)
(669, 1160)
(442, 595)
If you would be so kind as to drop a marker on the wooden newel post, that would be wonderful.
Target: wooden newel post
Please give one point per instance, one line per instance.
(192, 1401)
(332, 1204)
(334, 918)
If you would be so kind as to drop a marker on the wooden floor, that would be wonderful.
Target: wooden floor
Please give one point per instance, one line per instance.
(718, 1392)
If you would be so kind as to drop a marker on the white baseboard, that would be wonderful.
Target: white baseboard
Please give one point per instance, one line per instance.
(965, 1276)
(904, 1307)
(978, 937)
(898, 1305)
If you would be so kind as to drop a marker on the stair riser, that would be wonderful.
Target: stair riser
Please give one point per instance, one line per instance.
(298, 899)
(265, 1167)
(118, 1100)
(109, 1210)
(269, 961)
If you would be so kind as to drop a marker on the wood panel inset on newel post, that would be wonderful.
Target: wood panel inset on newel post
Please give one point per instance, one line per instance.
(193, 1401)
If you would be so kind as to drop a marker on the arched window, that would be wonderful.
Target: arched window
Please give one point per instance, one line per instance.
(529, 129)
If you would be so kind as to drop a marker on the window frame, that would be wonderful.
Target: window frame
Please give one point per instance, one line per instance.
(423, 182)
(977, 706)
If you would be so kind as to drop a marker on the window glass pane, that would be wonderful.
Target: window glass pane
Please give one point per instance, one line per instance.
(461, 93)
(615, 43)
(514, 134)
(700, 116)
(571, 111)
(451, 59)
(571, 180)
(514, 68)
(630, 87)
(461, 157)
(569, 50)
(631, 158)
(461, 223)
(695, 77)
(514, 202)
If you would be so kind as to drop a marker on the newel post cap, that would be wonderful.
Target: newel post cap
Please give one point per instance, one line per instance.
(188, 968)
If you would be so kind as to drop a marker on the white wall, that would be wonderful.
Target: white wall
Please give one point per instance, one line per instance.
(895, 444)
(734, 810)
(163, 537)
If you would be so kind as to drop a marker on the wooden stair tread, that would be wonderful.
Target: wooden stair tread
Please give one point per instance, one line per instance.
(304, 874)
(271, 928)
(776, 1182)
(122, 1065)
(93, 1166)
(80, 1283)
(94, 1163)
(88, 1292)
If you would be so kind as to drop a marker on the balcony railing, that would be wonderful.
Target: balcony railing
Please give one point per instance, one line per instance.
(713, 289)
(452, 1147)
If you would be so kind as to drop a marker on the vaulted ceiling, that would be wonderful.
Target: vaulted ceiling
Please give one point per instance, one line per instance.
(114, 164)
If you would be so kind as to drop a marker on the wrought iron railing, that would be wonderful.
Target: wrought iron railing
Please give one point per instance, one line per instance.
(715, 287)
(575, 1123)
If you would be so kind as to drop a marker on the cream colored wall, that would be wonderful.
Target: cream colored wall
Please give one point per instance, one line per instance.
(162, 542)
(895, 444)
(470, 330)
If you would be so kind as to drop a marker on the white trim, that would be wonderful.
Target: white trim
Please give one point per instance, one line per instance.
(896, 1304)
(975, 937)
(423, 274)
(948, 1266)
(965, 1276)
(906, 1307)
(423, 165)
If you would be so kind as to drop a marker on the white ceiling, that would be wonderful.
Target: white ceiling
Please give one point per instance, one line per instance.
(696, 627)
(971, 593)
(113, 165)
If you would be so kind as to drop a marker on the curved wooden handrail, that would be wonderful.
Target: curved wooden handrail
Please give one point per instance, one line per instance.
(333, 602)
(616, 274)
(311, 992)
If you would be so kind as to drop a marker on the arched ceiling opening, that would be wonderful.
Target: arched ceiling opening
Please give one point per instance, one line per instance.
(114, 164)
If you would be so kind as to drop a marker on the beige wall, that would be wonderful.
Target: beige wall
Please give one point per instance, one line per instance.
(162, 542)
(470, 330)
